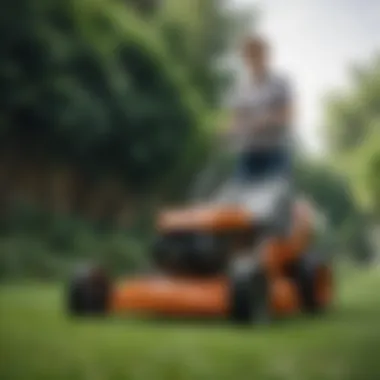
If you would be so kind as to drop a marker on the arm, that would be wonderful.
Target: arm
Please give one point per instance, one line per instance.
(281, 116)
(281, 112)
(230, 129)
(234, 121)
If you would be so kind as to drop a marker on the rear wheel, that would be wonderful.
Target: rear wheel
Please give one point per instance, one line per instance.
(249, 296)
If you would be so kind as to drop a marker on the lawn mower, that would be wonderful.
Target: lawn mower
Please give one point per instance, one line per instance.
(216, 258)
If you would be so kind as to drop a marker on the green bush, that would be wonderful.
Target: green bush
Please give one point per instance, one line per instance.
(87, 82)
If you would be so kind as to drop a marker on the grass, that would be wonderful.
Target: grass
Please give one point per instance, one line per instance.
(38, 342)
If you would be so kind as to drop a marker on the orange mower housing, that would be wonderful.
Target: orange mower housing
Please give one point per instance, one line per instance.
(212, 262)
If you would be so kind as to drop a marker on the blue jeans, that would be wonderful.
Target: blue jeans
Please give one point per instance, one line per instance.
(255, 165)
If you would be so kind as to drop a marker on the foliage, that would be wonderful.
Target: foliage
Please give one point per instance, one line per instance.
(201, 35)
(87, 85)
(331, 191)
(353, 133)
(44, 245)
(328, 189)
(117, 96)
(85, 82)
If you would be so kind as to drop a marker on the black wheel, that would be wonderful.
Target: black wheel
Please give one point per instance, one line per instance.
(314, 282)
(88, 293)
(249, 296)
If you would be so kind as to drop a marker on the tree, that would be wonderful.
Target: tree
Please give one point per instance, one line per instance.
(329, 190)
(201, 34)
(353, 133)
(84, 82)
(100, 108)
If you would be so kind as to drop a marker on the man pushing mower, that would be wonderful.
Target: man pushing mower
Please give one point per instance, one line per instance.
(252, 253)
(260, 135)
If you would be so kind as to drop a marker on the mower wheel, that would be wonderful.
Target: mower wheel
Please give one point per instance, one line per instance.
(314, 281)
(88, 293)
(249, 296)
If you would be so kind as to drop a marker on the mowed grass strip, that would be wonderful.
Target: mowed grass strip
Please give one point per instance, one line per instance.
(39, 342)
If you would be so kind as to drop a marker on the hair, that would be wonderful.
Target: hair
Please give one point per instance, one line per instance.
(256, 43)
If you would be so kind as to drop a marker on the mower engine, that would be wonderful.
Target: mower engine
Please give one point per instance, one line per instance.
(189, 252)
(201, 242)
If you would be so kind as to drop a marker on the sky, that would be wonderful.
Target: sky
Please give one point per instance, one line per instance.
(314, 42)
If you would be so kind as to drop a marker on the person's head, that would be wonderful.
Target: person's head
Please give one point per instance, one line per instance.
(255, 52)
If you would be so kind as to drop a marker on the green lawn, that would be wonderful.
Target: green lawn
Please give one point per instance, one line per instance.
(38, 342)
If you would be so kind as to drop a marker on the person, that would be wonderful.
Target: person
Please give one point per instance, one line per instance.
(261, 127)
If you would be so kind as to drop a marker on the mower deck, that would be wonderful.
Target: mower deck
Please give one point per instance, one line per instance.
(192, 297)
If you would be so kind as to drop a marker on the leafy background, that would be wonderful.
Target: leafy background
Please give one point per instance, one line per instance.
(108, 111)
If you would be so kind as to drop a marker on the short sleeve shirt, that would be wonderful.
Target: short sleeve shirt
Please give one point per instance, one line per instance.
(252, 101)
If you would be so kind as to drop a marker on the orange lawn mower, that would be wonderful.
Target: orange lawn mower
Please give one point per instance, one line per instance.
(217, 259)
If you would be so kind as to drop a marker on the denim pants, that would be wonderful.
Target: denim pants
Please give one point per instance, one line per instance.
(255, 165)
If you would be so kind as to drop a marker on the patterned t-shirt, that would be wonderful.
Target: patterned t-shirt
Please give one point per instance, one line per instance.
(253, 100)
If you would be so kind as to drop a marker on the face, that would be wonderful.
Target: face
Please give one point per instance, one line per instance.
(255, 59)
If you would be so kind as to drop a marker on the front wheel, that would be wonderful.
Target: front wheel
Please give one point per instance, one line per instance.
(315, 284)
(88, 293)
(249, 294)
